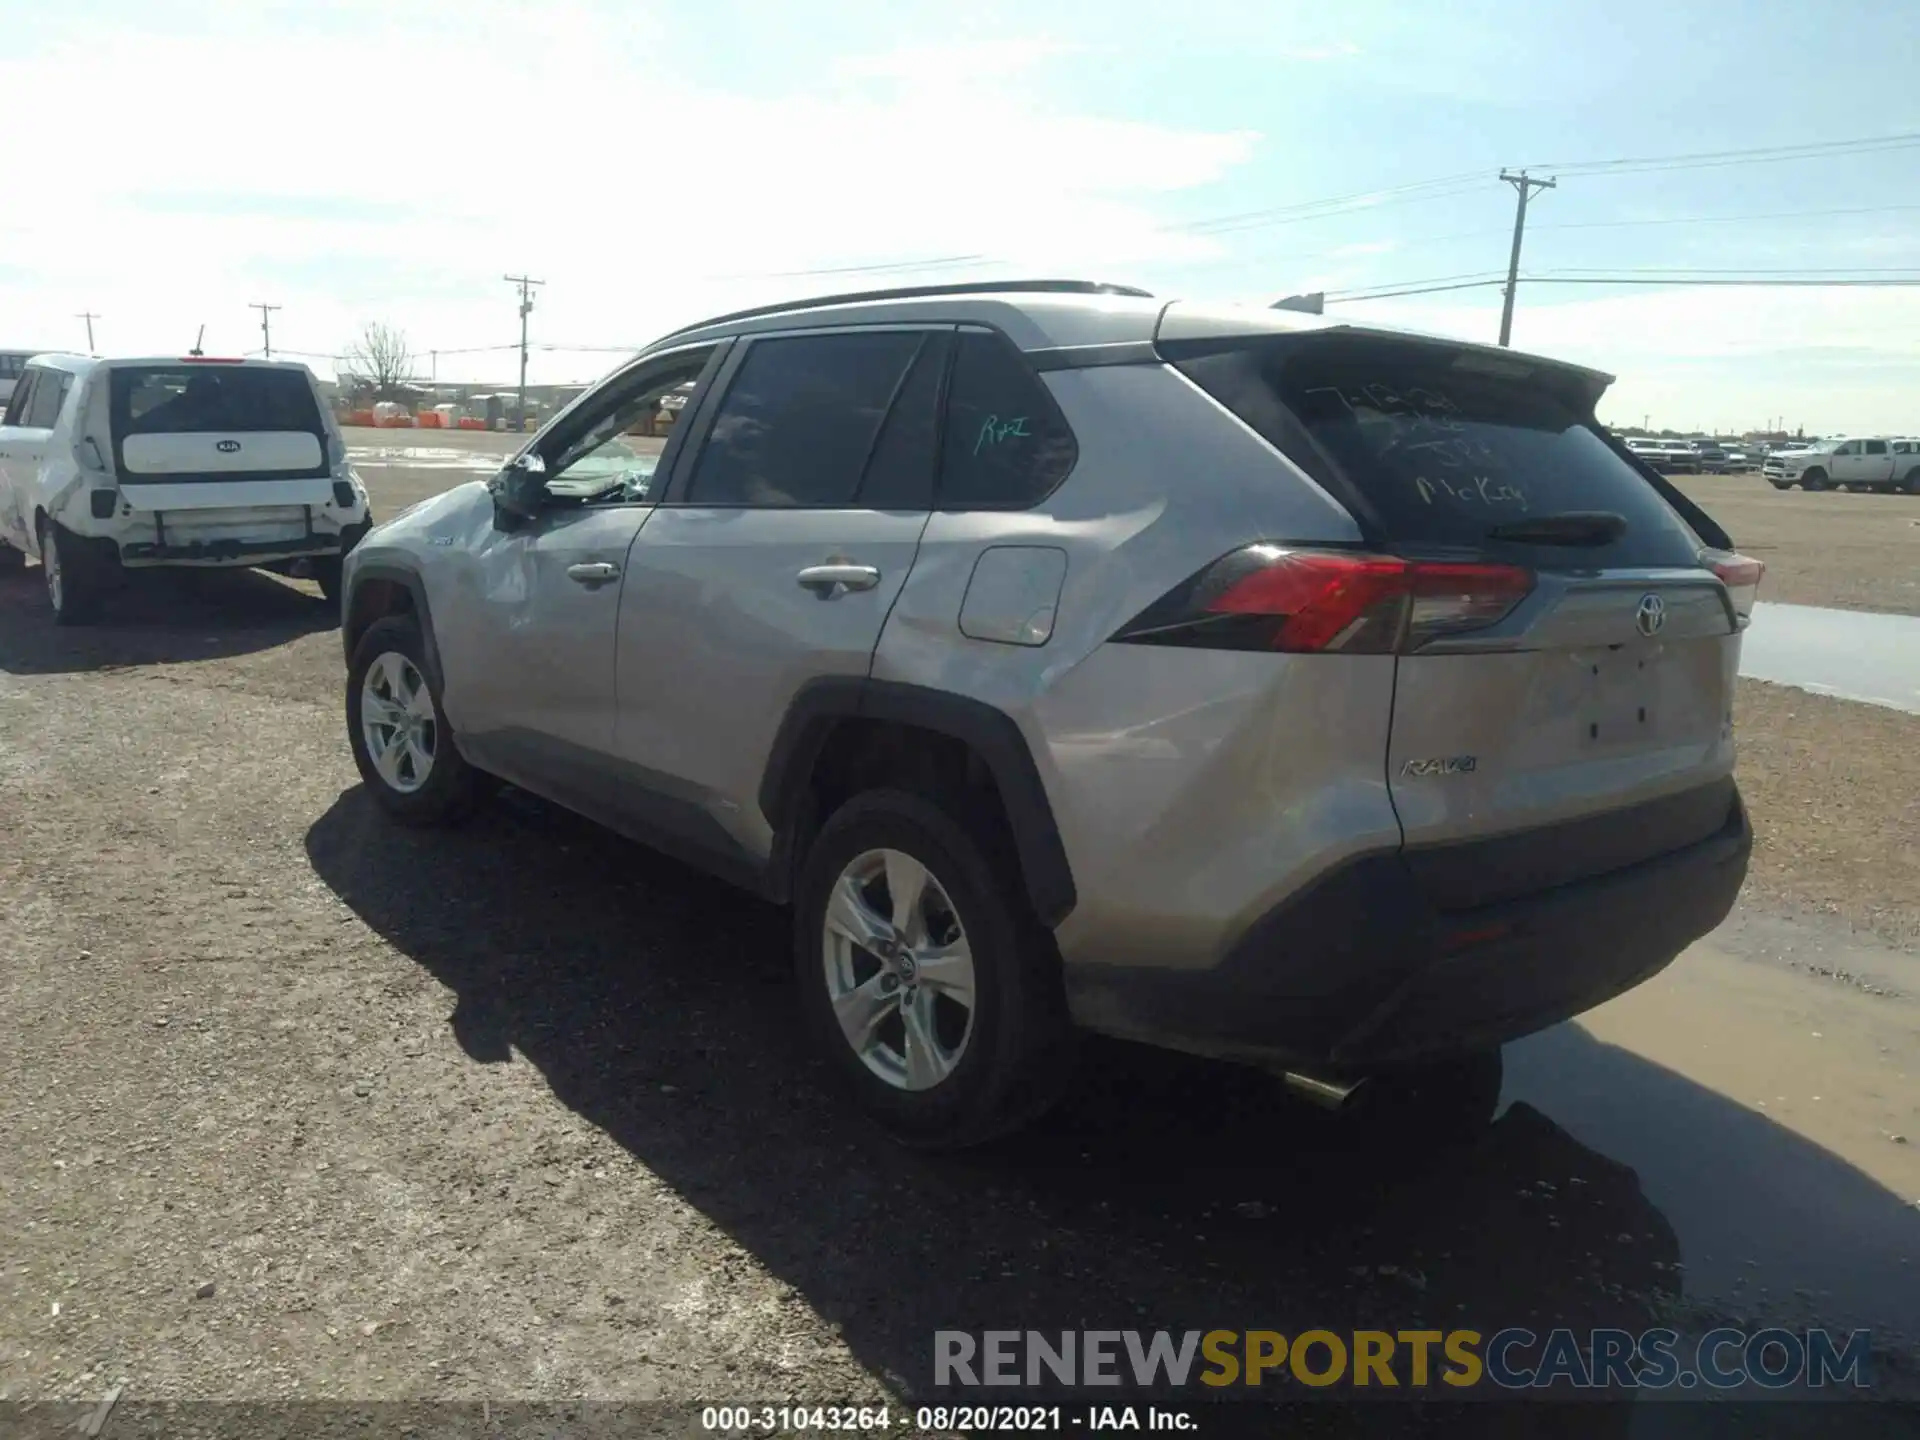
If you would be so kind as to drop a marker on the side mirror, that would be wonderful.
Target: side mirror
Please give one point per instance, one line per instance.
(520, 489)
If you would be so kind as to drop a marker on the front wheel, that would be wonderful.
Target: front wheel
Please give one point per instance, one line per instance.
(401, 743)
(1814, 480)
(925, 982)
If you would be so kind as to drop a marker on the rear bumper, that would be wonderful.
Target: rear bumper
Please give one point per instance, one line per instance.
(137, 554)
(1360, 973)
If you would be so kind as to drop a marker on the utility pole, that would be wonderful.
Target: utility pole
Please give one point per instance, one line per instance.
(433, 359)
(89, 317)
(266, 326)
(1525, 187)
(526, 308)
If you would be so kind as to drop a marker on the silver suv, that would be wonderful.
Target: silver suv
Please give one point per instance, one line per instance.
(1333, 699)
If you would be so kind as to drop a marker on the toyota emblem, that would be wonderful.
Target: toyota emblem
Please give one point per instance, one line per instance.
(227, 447)
(1651, 615)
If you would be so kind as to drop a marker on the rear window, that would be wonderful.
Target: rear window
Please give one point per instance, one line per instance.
(1430, 456)
(189, 399)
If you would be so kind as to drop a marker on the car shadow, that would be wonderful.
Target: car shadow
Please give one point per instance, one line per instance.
(1166, 1193)
(158, 617)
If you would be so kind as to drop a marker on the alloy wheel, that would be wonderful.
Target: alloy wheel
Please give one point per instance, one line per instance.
(397, 721)
(898, 969)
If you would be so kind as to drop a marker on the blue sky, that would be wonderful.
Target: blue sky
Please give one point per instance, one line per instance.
(391, 161)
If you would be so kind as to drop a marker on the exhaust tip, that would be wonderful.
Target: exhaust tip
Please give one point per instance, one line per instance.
(1327, 1093)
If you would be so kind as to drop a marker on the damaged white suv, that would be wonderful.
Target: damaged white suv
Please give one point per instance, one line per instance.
(114, 465)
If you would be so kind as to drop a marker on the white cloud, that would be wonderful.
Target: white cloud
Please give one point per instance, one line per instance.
(570, 149)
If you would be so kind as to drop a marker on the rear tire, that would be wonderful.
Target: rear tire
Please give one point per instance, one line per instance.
(406, 755)
(936, 1073)
(70, 571)
(1911, 484)
(326, 574)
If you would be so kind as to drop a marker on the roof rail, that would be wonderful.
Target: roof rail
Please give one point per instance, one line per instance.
(911, 292)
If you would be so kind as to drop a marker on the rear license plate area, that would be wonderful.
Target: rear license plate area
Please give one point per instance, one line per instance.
(1618, 706)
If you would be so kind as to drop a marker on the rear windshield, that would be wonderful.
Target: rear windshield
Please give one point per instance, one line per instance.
(1431, 456)
(188, 399)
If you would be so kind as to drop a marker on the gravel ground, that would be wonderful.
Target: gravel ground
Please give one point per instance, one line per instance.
(1835, 793)
(304, 1105)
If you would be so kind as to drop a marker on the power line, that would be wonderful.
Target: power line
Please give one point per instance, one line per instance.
(1755, 155)
(1760, 282)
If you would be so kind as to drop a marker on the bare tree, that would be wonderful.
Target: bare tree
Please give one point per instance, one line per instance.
(381, 362)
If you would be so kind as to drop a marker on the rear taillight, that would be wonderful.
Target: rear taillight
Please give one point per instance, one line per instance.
(1741, 575)
(1268, 597)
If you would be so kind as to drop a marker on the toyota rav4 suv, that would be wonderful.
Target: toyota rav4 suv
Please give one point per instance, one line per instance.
(1333, 699)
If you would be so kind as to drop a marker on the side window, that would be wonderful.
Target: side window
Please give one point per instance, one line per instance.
(1852, 447)
(900, 471)
(611, 459)
(1007, 445)
(48, 396)
(800, 419)
(21, 398)
(1876, 447)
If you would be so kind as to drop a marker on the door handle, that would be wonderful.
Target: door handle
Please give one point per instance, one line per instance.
(596, 573)
(828, 581)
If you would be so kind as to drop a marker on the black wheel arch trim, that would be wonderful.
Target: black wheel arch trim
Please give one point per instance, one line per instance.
(409, 579)
(991, 733)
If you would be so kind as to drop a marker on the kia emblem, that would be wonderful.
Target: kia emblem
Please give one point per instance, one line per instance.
(1651, 615)
(227, 447)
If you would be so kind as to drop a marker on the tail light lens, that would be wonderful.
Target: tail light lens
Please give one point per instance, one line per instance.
(1741, 575)
(1268, 597)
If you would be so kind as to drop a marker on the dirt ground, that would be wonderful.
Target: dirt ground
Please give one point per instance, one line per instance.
(1835, 792)
(1851, 552)
(303, 1105)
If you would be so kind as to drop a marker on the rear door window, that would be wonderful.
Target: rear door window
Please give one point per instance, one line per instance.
(1432, 447)
(1007, 446)
(799, 421)
(21, 398)
(48, 398)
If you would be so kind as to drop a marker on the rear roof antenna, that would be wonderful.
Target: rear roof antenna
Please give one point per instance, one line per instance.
(196, 352)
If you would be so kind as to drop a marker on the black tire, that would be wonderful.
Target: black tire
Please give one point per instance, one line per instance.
(452, 788)
(325, 572)
(70, 569)
(1017, 1054)
(1911, 483)
(1814, 481)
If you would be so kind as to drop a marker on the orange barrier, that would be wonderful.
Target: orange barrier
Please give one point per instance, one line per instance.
(429, 420)
(470, 422)
(357, 417)
(397, 422)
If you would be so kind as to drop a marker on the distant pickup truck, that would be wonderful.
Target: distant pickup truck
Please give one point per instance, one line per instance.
(1861, 462)
(1670, 457)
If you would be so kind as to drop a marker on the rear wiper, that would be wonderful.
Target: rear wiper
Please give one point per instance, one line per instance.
(1576, 527)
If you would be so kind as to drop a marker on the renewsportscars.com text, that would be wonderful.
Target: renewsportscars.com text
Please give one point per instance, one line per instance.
(1513, 1359)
